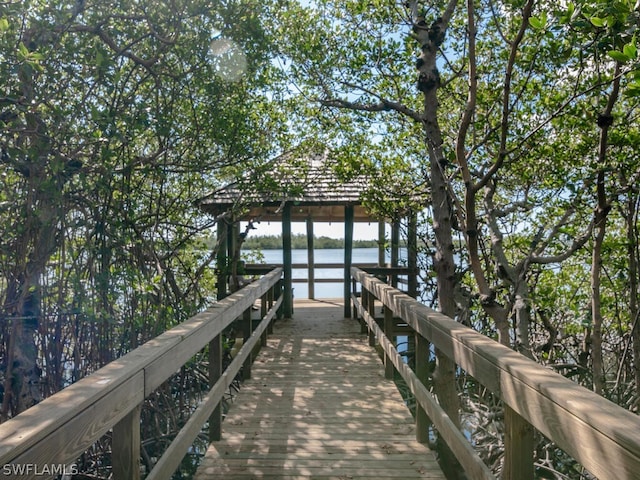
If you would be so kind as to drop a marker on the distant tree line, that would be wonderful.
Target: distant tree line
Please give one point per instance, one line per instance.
(274, 242)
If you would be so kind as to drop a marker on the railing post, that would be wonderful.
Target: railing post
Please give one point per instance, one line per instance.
(388, 331)
(247, 330)
(518, 446)
(395, 250)
(423, 422)
(354, 291)
(287, 304)
(365, 306)
(270, 295)
(215, 372)
(221, 260)
(371, 308)
(310, 260)
(412, 255)
(277, 294)
(125, 446)
(263, 313)
(348, 256)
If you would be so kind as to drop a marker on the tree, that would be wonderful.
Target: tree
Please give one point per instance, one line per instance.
(120, 115)
(507, 108)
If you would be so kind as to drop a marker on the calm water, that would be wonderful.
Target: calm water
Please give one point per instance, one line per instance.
(323, 290)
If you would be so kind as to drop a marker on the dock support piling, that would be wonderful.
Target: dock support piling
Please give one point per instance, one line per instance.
(423, 422)
(389, 325)
(287, 302)
(215, 372)
(310, 260)
(348, 256)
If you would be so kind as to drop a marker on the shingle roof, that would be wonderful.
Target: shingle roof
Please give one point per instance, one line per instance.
(310, 183)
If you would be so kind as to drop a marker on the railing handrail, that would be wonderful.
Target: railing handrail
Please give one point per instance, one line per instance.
(251, 268)
(90, 407)
(602, 436)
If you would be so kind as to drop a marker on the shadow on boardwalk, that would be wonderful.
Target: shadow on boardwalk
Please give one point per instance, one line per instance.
(318, 407)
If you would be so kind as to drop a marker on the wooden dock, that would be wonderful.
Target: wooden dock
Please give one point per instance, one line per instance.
(318, 407)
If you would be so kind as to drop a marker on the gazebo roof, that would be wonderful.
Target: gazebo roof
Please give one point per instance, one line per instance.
(312, 188)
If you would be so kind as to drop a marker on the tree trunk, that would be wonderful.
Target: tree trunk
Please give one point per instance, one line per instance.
(632, 252)
(431, 38)
(522, 313)
(596, 311)
(37, 240)
(605, 120)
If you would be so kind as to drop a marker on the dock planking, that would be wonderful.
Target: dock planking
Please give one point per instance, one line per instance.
(318, 407)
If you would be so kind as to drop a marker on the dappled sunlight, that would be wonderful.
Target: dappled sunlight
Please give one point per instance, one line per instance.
(318, 405)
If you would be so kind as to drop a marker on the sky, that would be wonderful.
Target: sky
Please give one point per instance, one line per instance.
(361, 231)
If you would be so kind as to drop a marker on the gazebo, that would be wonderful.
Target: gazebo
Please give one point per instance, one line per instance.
(309, 191)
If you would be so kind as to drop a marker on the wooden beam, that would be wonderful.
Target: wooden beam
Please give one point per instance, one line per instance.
(231, 248)
(287, 303)
(422, 373)
(247, 330)
(519, 446)
(310, 259)
(126, 446)
(395, 249)
(389, 324)
(348, 257)
(381, 240)
(320, 213)
(215, 372)
(221, 260)
(371, 309)
(412, 254)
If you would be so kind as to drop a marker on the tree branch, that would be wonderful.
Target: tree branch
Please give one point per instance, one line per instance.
(382, 106)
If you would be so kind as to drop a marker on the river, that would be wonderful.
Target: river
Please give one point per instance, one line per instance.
(322, 290)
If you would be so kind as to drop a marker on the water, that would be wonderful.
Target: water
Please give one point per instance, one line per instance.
(323, 290)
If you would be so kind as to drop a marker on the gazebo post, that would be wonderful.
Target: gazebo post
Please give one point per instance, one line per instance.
(412, 254)
(310, 259)
(287, 302)
(221, 259)
(395, 249)
(348, 256)
(381, 239)
(233, 232)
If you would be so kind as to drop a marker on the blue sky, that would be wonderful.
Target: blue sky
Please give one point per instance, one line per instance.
(361, 231)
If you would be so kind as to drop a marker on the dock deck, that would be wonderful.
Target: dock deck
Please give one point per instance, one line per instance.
(317, 406)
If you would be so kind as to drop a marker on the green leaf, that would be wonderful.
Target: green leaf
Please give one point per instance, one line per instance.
(4, 24)
(597, 22)
(630, 51)
(630, 48)
(633, 89)
(23, 51)
(539, 23)
(536, 23)
(569, 16)
(619, 56)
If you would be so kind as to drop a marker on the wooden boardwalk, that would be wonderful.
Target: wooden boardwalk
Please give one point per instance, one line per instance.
(318, 407)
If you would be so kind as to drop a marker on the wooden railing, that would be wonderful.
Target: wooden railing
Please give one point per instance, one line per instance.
(391, 273)
(603, 437)
(56, 431)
